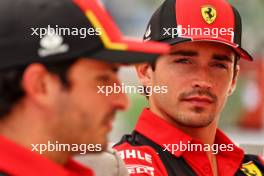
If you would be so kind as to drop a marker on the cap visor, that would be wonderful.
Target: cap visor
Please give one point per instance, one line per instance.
(123, 57)
(240, 51)
(134, 52)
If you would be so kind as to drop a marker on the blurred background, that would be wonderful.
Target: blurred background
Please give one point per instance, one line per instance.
(243, 117)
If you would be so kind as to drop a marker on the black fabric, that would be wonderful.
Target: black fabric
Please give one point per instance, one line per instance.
(20, 46)
(177, 166)
(255, 160)
(124, 57)
(238, 27)
(174, 166)
(17, 44)
(164, 17)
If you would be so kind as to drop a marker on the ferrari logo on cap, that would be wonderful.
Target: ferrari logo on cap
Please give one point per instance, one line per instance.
(250, 169)
(209, 14)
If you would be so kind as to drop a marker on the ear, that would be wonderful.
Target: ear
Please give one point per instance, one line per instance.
(144, 72)
(40, 85)
(234, 81)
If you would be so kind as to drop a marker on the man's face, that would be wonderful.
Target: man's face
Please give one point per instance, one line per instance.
(200, 77)
(86, 116)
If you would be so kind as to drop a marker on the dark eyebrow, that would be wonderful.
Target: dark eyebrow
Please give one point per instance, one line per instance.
(184, 53)
(222, 58)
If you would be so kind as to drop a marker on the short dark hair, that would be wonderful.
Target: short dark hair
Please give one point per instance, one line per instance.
(11, 90)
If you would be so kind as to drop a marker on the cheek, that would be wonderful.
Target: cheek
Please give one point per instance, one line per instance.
(90, 103)
(222, 89)
(85, 116)
(175, 82)
(222, 83)
(82, 93)
(175, 85)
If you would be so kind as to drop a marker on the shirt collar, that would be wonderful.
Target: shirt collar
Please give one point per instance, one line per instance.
(161, 132)
(17, 160)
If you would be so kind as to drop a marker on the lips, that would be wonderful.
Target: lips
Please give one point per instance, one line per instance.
(199, 100)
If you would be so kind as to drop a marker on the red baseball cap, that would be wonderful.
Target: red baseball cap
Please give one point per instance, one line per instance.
(178, 21)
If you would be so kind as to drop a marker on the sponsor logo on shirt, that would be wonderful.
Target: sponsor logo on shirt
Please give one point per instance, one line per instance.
(140, 169)
(135, 154)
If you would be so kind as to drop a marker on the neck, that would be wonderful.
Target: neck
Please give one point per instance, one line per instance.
(205, 135)
(200, 134)
(26, 129)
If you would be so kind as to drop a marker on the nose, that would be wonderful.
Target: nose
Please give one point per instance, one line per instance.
(202, 79)
(201, 84)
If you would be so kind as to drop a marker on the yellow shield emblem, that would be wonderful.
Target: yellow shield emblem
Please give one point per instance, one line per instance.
(250, 169)
(209, 14)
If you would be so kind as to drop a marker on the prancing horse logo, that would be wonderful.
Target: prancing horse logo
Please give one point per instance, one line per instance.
(250, 169)
(209, 14)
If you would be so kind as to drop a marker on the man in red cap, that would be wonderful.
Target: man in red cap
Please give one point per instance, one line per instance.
(53, 57)
(178, 134)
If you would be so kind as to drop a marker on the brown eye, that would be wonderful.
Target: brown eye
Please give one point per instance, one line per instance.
(183, 61)
(219, 65)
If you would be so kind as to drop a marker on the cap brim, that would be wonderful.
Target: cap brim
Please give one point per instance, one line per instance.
(135, 52)
(240, 51)
(123, 57)
(116, 48)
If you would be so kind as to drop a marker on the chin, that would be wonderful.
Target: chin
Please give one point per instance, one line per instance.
(193, 120)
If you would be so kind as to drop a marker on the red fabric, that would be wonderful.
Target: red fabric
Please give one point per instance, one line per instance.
(161, 132)
(188, 13)
(114, 33)
(261, 159)
(16, 160)
(141, 160)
